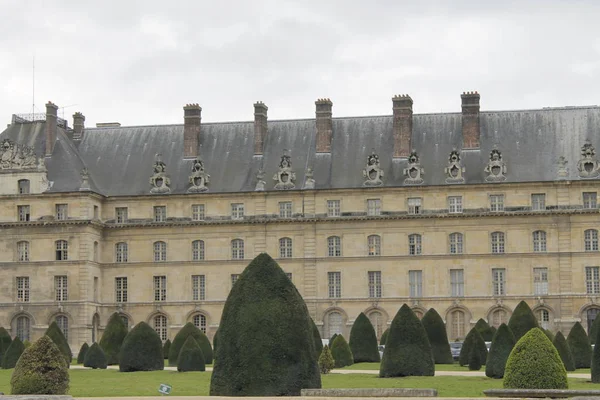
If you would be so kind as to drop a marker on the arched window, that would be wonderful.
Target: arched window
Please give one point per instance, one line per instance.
(62, 250)
(63, 323)
(591, 314)
(237, 249)
(160, 326)
(334, 246)
(497, 242)
(334, 323)
(539, 241)
(457, 325)
(23, 186)
(414, 244)
(197, 250)
(374, 244)
(22, 251)
(543, 317)
(456, 243)
(23, 327)
(200, 322)
(591, 240)
(285, 247)
(121, 252)
(378, 324)
(160, 251)
(499, 317)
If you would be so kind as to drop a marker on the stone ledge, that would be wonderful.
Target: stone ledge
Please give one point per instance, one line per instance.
(541, 393)
(35, 397)
(369, 392)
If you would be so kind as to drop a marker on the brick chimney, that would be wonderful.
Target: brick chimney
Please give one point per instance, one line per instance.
(470, 120)
(78, 125)
(260, 126)
(192, 115)
(403, 123)
(324, 125)
(51, 126)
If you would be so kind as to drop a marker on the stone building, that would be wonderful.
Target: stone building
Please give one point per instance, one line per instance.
(467, 212)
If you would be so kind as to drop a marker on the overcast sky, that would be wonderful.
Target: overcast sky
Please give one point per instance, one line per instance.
(139, 62)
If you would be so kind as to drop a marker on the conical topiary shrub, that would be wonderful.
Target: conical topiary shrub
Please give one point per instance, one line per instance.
(332, 339)
(522, 320)
(316, 338)
(473, 339)
(407, 349)
(54, 333)
(40, 370)
(190, 329)
(190, 357)
(564, 351)
(141, 350)
(474, 359)
(81, 355)
(341, 352)
(12, 354)
(596, 360)
(95, 358)
(534, 363)
(438, 337)
(502, 344)
(384, 336)
(214, 343)
(112, 338)
(166, 348)
(265, 323)
(486, 331)
(548, 334)
(580, 346)
(5, 341)
(594, 330)
(363, 340)
(326, 361)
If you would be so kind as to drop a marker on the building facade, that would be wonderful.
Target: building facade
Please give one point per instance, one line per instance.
(468, 213)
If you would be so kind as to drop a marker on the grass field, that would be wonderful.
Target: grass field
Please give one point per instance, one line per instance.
(373, 366)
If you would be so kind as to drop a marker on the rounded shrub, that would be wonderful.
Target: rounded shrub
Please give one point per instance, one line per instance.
(190, 357)
(534, 363)
(81, 356)
(112, 338)
(266, 347)
(486, 331)
(407, 349)
(363, 340)
(384, 336)
(596, 361)
(474, 360)
(316, 338)
(190, 329)
(141, 350)
(166, 348)
(326, 361)
(564, 351)
(12, 354)
(579, 344)
(502, 344)
(438, 337)
(341, 352)
(522, 320)
(473, 339)
(5, 341)
(95, 358)
(40, 370)
(54, 333)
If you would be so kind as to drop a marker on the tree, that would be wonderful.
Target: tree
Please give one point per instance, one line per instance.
(317, 338)
(326, 361)
(12, 354)
(522, 320)
(81, 355)
(95, 357)
(363, 340)
(190, 357)
(59, 339)
(112, 338)
(166, 348)
(438, 338)
(594, 330)
(579, 344)
(141, 350)
(486, 331)
(502, 344)
(5, 341)
(564, 351)
(384, 336)
(41, 370)
(596, 360)
(407, 349)
(201, 339)
(341, 352)
(473, 339)
(265, 322)
(534, 363)
(474, 359)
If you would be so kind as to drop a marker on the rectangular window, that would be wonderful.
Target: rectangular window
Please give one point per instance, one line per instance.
(160, 288)
(22, 251)
(237, 210)
(96, 212)
(24, 213)
(592, 280)
(234, 278)
(540, 281)
(60, 288)
(198, 287)
(198, 212)
(496, 202)
(373, 207)
(457, 282)
(455, 204)
(160, 213)
(23, 288)
(374, 283)
(415, 280)
(62, 211)
(121, 289)
(334, 284)
(23, 185)
(589, 200)
(538, 202)
(285, 209)
(121, 215)
(498, 281)
(414, 205)
(334, 208)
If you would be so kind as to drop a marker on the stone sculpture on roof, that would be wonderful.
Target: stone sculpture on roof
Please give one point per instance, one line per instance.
(17, 156)
(373, 171)
(563, 170)
(285, 177)
(588, 165)
(199, 178)
(309, 181)
(85, 179)
(454, 171)
(160, 182)
(413, 172)
(496, 168)
(260, 181)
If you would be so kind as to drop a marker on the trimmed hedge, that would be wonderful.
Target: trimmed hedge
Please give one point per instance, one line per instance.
(141, 350)
(486, 331)
(5, 341)
(81, 355)
(548, 334)
(438, 337)
(384, 336)
(594, 330)
(12, 354)
(190, 329)
(326, 361)
(579, 344)
(341, 352)
(473, 339)
(266, 347)
(534, 363)
(190, 357)
(564, 351)
(363, 340)
(474, 359)
(407, 349)
(316, 338)
(215, 342)
(95, 357)
(54, 333)
(112, 338)
(41, 370)
(332, 339)
(502, 344)
(596, 361)
(522, 320)
(166, 348)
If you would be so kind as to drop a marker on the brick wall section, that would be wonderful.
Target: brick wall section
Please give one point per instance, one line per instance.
(470, 120)
(192, 115)
(51, 120)
(403, 122)
(324, 125)
(260, 126)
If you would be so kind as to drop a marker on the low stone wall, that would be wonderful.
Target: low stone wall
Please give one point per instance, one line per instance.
(369, 392)
(541, 393)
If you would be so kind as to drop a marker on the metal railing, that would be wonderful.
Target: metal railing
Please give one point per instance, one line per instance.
(36, 117)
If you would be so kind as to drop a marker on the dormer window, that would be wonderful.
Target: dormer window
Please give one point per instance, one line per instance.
(23, 186)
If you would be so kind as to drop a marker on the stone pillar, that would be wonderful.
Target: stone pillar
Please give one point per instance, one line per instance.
(51, 126)
(324, 125)
(470, 120)
(403, 124)
(78, 125)
(260, 126)
(192, 116)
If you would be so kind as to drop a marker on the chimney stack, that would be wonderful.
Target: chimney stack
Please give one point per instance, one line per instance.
(192, 115)
(51, 126)
(324, 125)
(78, 125)
(403, 124)
(470, 120)
(260, 126)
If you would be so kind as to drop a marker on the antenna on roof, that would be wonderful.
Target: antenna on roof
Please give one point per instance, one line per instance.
(33, 90)
(63, 109)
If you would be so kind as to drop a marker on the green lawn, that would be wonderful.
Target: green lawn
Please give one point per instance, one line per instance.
(374, 366)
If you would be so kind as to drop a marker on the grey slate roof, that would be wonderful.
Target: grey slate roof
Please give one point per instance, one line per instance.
(121, 159)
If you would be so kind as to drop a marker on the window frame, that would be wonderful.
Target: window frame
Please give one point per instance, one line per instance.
(22, 289)
(456, 243)
(160, 213)
(374, 207)
(23, 213)
(23, 251)
(160, 288)
(61, 211)
(198, 287)
(540, 281)
(61, 248)
(457, 282)
(590, 240)
(415, 283)
(374, 282)
(334, 246)
(198, 250)
(26, 188)
(121, 292)
(285, 209)
(61, 288)
(121, 252)
(160, 251)
(540, 241)
(498, 242)
(374, 245)
(415, 243)
(499, 281)
(286, 249)
(160, 323)
(592, 280)
(589, 200)
(237, 249)
(121, 215)
(198, 212)
(334, 208)
(496, 201)
(455, 204)
(334, 284)
(538, 202)
(414, 209)
(237, 211)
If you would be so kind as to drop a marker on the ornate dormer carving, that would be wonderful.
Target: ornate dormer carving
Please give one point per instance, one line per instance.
(285, 177)
(454, 171)
(260, 181)
(414, 172)
(85, 180)
(309, 181)
(588, 165)
(496, 168)
(18, 156)
(160, 182)
(199, 178)
(373, 171)
(563, 170)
